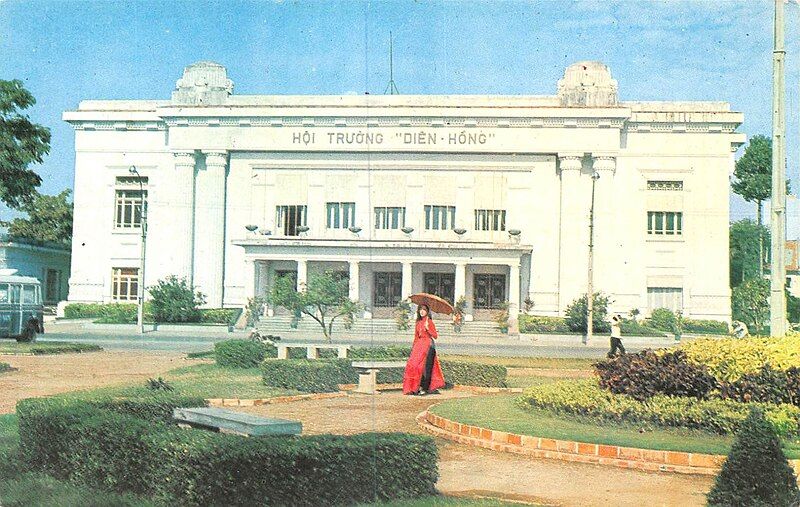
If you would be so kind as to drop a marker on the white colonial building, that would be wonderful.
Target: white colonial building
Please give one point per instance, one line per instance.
(486, 197)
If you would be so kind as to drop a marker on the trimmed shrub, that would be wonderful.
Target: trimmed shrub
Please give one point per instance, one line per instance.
(585, 398)
(4, 367)
(474, 374)
(546, 325)
(109, 313)
(730, 358)
(663, 319)
(382, 352)
(242, 353)
(49, 348)
(647, 374)
(174, 300)
(312, 376)
(767, 385)
(100, 446)
(577, 313)
(705, 327)
(220, 315)
(756, 472)
(633, 328)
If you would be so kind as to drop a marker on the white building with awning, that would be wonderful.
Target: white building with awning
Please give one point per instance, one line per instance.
(485, 197)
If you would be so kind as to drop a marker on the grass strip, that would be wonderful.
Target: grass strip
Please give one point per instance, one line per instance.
(45, 348)
(500, 413)
(545, 363)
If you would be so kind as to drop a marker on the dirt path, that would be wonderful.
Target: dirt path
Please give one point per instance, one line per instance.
(45, 375)
(467, 470)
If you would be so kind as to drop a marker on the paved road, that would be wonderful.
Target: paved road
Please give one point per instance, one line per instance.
(125, 337)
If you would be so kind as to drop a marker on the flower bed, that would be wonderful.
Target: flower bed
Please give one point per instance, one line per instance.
(586, 398)
(132, 446)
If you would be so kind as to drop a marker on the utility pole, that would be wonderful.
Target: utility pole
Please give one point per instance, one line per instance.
(777, 306)
(391, 88)
(590, 284)
(143, 227)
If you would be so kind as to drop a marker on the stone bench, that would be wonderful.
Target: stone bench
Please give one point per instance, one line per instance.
(229, 421)
(367, 373)
(312, 349)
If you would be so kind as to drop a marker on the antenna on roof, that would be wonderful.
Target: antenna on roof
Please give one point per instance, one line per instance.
(391, 88)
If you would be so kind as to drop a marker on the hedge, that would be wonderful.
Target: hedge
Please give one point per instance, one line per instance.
(107, 446)
(126, 313)
(242, 353)
(586, 398)
(535, 324)
(705, 327)
(729, 358)
(4, 367)
(324, 375)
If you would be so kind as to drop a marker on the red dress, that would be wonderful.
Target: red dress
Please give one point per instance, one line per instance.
(415, 367)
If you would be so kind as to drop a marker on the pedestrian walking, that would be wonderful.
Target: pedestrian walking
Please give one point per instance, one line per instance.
(616, 337)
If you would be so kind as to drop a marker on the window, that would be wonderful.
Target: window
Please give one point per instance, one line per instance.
(490, 290)
(130, 198)
(440, 284)
(29, 295)
(665, 223)
(290, 217)
(667, 185)
(390, 218)
(490, 219)
(125, 284)
(341, 215)
(386, 289)
(440, 217)
(4, 294)
(665, 297)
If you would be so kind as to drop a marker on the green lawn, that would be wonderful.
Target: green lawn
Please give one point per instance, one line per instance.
(42, 348)
(500, 413)
(211, 381)
(445, 501)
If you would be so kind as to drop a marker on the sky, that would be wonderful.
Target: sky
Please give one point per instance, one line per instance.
(72, 50)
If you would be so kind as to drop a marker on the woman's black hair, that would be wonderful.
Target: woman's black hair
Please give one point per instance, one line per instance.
(419, 317)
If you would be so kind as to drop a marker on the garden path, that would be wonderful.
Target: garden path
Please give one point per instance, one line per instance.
(473, 471)
(53, 374)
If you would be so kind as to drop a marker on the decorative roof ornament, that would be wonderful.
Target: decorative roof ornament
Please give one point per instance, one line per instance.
(587, 84)
(203, 83)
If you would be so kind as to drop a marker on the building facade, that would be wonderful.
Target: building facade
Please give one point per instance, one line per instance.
(45, 261)
(485, 197)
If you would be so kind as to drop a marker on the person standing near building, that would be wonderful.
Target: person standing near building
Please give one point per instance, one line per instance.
(423, 373)
(616, 337)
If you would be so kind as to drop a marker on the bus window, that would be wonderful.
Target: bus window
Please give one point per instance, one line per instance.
(3, 293)
(29, 295)
(14, 294)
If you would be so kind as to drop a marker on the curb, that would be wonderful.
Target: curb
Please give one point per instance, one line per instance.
(251, 402)
(579, 452)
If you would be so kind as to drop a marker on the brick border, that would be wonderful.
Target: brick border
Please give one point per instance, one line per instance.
(580, 452)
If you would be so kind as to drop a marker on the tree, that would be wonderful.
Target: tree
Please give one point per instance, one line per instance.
(324, 298)
(577, 313)
(756, 472)
(753, 174)
(49, 218)
(22, 142)
(173, 299)
(745, 250)
(750, 303)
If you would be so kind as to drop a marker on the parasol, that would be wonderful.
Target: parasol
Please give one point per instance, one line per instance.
(435, 303)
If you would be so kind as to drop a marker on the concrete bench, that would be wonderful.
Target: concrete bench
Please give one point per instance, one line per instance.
(367, 373)
(229, 421)
(312, 349)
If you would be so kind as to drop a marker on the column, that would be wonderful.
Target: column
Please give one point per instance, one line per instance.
(609, 250)
(209, 227)
(354, 280)
(460, 288)
(249, 274)
(182, 211)
(513, 299)
(407, 270)
(302, 274)
(574, 230)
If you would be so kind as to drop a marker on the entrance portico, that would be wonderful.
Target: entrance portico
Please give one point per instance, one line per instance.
(381, 274)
